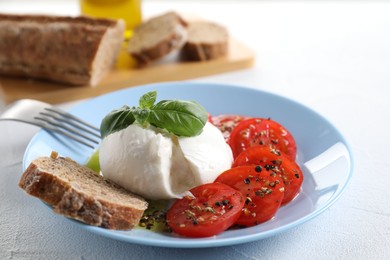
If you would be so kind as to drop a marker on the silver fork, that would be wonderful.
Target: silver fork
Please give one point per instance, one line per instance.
(52, 119)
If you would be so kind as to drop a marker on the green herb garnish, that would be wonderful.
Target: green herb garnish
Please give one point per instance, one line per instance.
(182, 118)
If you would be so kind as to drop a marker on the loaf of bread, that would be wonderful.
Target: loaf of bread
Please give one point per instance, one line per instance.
(157, 37)
(79, 193)
(206, 41)
(71, 50)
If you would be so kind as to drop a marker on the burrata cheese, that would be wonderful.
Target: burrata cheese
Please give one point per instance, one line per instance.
(159, 165)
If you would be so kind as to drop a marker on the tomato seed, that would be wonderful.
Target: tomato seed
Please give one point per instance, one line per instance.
(209, 209)
(246, 211)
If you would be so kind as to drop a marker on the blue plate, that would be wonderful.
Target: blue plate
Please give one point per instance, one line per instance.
(323, 154)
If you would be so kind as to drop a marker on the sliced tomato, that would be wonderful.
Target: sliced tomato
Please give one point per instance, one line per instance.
(263, 190)
(262, 132)
(226, 123)
(209, 118)
(271, 160)
(214, 208)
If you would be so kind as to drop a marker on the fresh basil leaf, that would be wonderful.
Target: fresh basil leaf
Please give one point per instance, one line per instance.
(147, 100)
(116, 120)
(141, 115)
(182, 118)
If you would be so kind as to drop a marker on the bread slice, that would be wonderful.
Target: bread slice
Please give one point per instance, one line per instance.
(71, 50)
(157, 37)
(206, 41)
(79, 193)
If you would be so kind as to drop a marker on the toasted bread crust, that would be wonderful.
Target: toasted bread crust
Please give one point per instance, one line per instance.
(62, 49)
(77, 192)
(204, 51)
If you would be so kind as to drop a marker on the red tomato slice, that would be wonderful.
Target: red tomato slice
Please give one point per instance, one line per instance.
(214, 208)
(226, 123)
(209, 118)
(263, 190)
(272, 161)
(263, 132)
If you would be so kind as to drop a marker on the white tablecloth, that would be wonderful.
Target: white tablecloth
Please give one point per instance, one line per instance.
(332, 56)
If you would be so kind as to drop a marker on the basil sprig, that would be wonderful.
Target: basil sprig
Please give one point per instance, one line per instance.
(182, 118)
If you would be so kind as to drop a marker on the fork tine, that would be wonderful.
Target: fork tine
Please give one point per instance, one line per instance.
(44, 124)
(72, 123)
(65, 127)
(59, 131)
(70, 116)
(52, 119)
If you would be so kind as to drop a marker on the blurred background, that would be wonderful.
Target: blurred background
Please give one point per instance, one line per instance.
(300, 46)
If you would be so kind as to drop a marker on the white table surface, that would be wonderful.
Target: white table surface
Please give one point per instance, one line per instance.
(333, 56)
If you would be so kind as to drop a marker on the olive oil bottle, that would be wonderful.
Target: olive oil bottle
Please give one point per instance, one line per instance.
(128, 10)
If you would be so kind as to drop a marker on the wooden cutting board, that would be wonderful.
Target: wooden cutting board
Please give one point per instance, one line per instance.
(126, 75)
